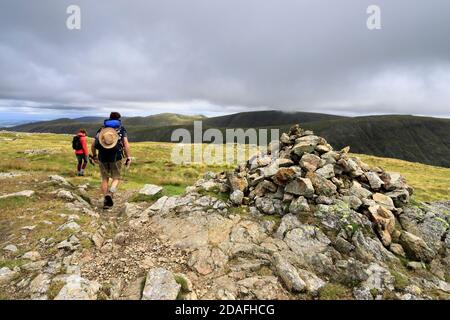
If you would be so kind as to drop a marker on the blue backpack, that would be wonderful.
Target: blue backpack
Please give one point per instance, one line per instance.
(115, 124)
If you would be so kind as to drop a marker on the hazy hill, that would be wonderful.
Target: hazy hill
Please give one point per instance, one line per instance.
(266, 118)
(411, 138)
(418, 139)
(66, 125)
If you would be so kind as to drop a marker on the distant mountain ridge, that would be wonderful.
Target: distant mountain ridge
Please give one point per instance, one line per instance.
(10, 123)
(411, 138)
(267, 118)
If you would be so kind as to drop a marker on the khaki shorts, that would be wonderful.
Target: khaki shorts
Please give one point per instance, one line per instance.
(111, 169)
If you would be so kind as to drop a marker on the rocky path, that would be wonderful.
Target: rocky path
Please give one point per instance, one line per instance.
(101, 254)
(199, 246)
(122, 262)
(168, 250)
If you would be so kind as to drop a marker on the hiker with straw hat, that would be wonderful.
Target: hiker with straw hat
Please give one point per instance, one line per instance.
(112, 144)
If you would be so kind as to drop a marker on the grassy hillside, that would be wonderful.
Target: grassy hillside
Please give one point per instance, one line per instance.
(266, 118)
(411, 138)
(416, 139)
(153, 165)
(93, 123)
(430, 183)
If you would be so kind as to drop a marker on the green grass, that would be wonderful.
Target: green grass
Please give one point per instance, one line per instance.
(15, 202)
(400, 280)
(54, 289)
(86, 243)
(153, 165)
(183, 283)
(374, 292)
(239, 210)
(17, 212)
(11, 263)
(215, 194)
(3, 296)
(173, 190)
(142, 286)
(430, 183)
(275, 218)
(332, 291)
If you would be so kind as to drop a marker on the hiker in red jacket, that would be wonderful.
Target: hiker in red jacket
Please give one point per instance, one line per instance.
(79, 144)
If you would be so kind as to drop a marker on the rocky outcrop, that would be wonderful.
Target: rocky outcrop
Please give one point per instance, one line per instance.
(150, 190)
(160, 284)
(78, 288)
(7, 275)
(25, 193)
(340, 222)
(416, 247)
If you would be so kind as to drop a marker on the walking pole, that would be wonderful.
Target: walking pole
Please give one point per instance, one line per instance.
(91, 160)
(127, 167)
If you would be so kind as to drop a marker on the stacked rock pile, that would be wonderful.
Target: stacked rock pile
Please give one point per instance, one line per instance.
(307, 172)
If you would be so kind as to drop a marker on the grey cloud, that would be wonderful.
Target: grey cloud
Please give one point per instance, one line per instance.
(222, 56)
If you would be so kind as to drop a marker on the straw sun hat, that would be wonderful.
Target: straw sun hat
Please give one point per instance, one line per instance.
(108, 138)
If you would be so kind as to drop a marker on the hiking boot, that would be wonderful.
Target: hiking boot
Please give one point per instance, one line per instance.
(108, 202)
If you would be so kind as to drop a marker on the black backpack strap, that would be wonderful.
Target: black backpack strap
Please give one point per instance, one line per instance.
(97, 143)
(120, 142)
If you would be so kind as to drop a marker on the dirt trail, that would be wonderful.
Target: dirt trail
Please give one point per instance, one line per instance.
(114, 248)
(129, 249)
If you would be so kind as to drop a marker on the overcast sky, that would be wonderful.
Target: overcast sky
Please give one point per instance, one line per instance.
(223, 56)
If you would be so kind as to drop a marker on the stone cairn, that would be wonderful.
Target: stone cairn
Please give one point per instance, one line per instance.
(307, 172)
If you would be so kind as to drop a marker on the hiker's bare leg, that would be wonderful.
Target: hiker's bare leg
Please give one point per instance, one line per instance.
(104, 186)
(114, 185)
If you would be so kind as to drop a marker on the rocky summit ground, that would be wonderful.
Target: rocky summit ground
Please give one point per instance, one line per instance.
(310, 223)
